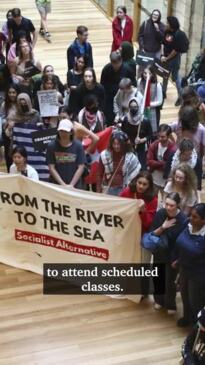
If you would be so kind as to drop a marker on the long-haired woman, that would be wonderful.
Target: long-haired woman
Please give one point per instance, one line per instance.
(118, 165)
(183, 182)
(8, 107)
(142, 187)
(19, 65)
(88, 86)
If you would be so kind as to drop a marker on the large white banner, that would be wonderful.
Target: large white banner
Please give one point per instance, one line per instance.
(44, 223)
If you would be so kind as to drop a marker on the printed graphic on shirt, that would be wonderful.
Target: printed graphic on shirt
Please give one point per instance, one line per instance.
(65, 157)
(169, 38)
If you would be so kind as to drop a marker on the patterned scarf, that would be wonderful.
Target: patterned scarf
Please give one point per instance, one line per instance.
(176, 159)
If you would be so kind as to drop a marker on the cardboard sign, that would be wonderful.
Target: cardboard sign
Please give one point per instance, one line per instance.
(42, 138)
(143, 59)
(161, 69)
(48, 103)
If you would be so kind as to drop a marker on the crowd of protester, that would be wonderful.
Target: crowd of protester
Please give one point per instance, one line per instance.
(158, 164)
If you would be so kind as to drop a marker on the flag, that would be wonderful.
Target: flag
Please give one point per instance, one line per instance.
(101, 145)
(147, 99)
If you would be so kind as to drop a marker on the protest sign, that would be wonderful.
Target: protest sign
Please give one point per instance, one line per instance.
(44, 223)
(30, 70)
(161, 69)
(143, 59)
(48, 103)
(42, 138)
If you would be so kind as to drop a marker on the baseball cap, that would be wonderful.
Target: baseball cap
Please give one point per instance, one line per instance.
(65, 125)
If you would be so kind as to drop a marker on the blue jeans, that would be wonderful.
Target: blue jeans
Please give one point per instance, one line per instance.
(174, 65)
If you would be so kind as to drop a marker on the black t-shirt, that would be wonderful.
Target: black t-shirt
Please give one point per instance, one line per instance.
(172, 41)
(66, 160)
(26, 25)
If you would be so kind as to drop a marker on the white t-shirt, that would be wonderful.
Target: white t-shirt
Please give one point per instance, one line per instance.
(31, 172)
(158, 174)
(123, 22)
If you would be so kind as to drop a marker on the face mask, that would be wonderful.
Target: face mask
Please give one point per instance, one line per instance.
(25, 108)
(133, 111)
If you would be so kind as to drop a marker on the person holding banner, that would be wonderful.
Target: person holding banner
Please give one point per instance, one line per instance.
(66, 157)
(20, 166)
(118, 165)
(142, 187)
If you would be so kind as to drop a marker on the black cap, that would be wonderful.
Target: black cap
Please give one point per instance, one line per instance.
(16, 12)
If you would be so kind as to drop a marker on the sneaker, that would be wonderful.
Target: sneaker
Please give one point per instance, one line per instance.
(178, 102)
(42, 32)
(47, 36)
(157, 306)
(183, 322)
(171, 311)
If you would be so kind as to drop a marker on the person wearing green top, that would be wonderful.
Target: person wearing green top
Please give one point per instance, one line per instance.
(127, 53)
(44, 7)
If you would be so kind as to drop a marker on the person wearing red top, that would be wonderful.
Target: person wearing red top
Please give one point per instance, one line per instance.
(158, 155)
(142, 187)
(122, 28)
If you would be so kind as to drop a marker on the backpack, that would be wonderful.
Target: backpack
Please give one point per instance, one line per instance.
(184, 42)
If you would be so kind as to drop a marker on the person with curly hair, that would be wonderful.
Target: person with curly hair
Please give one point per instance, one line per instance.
(183, 182)
(185, 153)
(118, 165)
